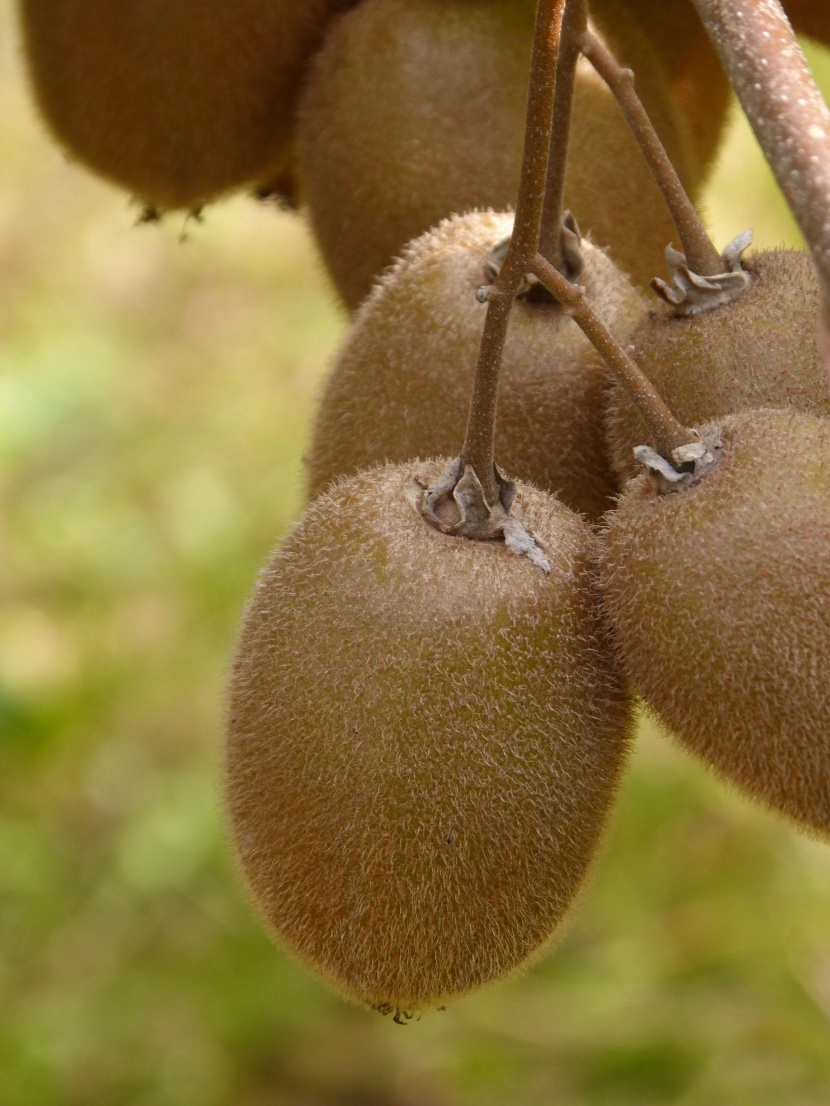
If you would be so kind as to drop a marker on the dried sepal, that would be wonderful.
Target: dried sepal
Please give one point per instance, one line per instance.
(690, 293)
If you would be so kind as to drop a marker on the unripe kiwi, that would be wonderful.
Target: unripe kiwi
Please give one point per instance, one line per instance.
(413, 112)
(425, 736)
(402, 383)
(719, 598)
(176, 100)
(762, 350)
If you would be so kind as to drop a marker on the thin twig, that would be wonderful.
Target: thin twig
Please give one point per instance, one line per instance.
(773, 82)
(524, 256)
(574, 26)
(701, 255)
(668, 434)
(479, 442)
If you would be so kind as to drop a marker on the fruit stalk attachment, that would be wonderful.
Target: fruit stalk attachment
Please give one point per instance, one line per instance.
(481, 495)
(673, 441)
(785, 109)
(701, 278)
(471, 497)
(700, 252)
(574, 25)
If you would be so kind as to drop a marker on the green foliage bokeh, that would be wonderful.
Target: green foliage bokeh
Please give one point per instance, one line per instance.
(155, 391)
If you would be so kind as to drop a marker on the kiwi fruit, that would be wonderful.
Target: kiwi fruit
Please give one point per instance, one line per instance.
(178, 101)
(719, 599)
(762, 350)
(401, 385)
(413, 112)
(425, 737)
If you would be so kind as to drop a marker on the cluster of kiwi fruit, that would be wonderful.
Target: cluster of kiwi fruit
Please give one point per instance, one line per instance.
(427, 730)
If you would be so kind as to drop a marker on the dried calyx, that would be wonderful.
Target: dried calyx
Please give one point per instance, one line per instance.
(400, 387)
(736, 571)
(471, 498)
(470, 494)
(691, 293)
(701, 278)
(760, 351)
(688, 463)
(573, 263)
(456, 504)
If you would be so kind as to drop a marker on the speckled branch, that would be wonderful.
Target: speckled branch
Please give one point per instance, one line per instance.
(773, 82)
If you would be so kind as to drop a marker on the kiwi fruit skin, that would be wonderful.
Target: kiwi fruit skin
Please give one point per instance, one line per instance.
(425, 737)
(413, 112)
(401, 385)
(179, 101)
(719, 599)
(760, 351)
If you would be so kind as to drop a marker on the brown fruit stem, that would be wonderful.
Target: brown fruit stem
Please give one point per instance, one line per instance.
(524, 256)
(667, 432)
(478, 450)
(701, 255)
(574, 27)
(785, 109)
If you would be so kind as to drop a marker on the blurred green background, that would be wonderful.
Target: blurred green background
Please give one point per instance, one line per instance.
(155, 392)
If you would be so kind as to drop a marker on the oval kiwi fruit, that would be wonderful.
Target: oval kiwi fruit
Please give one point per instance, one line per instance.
(425, 736)
(762, 350)
(413, 112)
(719, 599)
(176, 100)
(401, 385)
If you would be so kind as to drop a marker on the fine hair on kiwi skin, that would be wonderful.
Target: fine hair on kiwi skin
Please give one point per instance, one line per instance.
(425, 738)
(401, 384)
(717, 596)
(178, 101)
(413, 112)
(762, 350)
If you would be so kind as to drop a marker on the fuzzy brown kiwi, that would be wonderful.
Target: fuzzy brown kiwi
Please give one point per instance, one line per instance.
(176, 101)
(719, 598)
(401, 385)
(414, 112)
(762, 350)
(425, 737)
